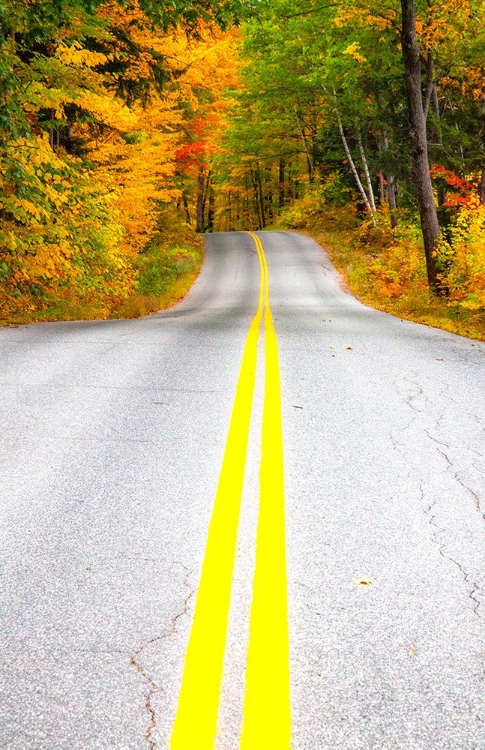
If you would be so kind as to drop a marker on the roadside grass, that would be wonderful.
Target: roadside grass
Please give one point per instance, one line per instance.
(340, 233)
(165, 271)
(167, 268)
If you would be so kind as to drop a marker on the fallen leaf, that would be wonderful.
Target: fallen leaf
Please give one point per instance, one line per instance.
(350, 348)
(363, 582)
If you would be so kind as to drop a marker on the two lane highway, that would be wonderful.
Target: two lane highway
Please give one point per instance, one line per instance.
(114, 436)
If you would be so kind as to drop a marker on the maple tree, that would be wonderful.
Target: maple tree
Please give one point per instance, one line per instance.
(100, 101)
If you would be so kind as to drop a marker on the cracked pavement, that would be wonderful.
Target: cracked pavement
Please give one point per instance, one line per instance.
(111, 445)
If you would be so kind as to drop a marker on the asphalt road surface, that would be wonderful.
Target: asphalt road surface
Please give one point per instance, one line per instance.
(113, 435)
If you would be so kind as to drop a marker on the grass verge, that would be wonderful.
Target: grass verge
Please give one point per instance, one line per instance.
(167, 268)
(339, 235)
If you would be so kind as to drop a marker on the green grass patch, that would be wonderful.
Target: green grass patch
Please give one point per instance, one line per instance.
(166, 268)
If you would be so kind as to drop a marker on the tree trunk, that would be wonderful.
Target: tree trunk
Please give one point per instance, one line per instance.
(311, 170)
(391, 187)
(186, 206)
(211, 212)
(481, 187)
(367, 173)
(256, 194)
(354, 168)
(261, 197)
(417, 135)
(382, 191)
(281, 184)
(436, 108)
(247, 210)
(391, 197)
(200, 201)
(229, 211)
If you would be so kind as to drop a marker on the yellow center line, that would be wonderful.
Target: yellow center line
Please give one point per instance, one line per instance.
(196, 719)
(267, 717)
(267, 720)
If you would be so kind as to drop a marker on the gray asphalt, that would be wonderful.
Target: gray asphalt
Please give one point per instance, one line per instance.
(112, 435)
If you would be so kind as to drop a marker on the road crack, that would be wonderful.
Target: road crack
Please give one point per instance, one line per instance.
(136, 662)
(451, 467)
(473, 586)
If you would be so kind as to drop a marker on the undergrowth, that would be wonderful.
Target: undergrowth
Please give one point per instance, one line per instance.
(162, 273)
(166, 268)
(385, 268)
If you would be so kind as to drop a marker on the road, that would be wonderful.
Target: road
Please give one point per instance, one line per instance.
(112, 448)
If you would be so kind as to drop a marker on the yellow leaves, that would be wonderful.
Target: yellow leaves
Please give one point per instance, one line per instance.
(139, 168)
(353, 51)
(31, 208)
(41, 96)
(363, 15)
(140, 67)
(466, 249)
(70, 231)
(11, 243)
(107, 109)
(74, 54)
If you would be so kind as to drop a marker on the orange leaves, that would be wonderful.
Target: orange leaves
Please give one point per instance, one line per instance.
(176, 131)
(464, 188)
(144, 110)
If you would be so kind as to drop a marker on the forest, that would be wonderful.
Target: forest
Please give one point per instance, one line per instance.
(128, 129)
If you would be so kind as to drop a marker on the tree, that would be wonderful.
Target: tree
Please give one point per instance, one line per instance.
(419, 140)
(99, 98)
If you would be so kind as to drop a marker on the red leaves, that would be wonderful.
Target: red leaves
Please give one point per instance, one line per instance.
(191, 155)
(460, 184)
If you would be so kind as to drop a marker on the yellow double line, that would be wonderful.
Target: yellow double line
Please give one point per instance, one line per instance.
(266, 717)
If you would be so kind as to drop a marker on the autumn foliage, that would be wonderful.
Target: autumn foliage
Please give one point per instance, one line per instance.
(321, 141)
(111, 118)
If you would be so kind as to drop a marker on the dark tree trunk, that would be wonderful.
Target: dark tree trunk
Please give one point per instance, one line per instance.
(211, 212)
(186, 207)
(304, 140)
(281, 184)
(382, 192)
(417, 133)
(391, 196)
(200, 201)
(261, 197)
(229, 211)
(481, 187)
(247, 209)
(257, 206)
